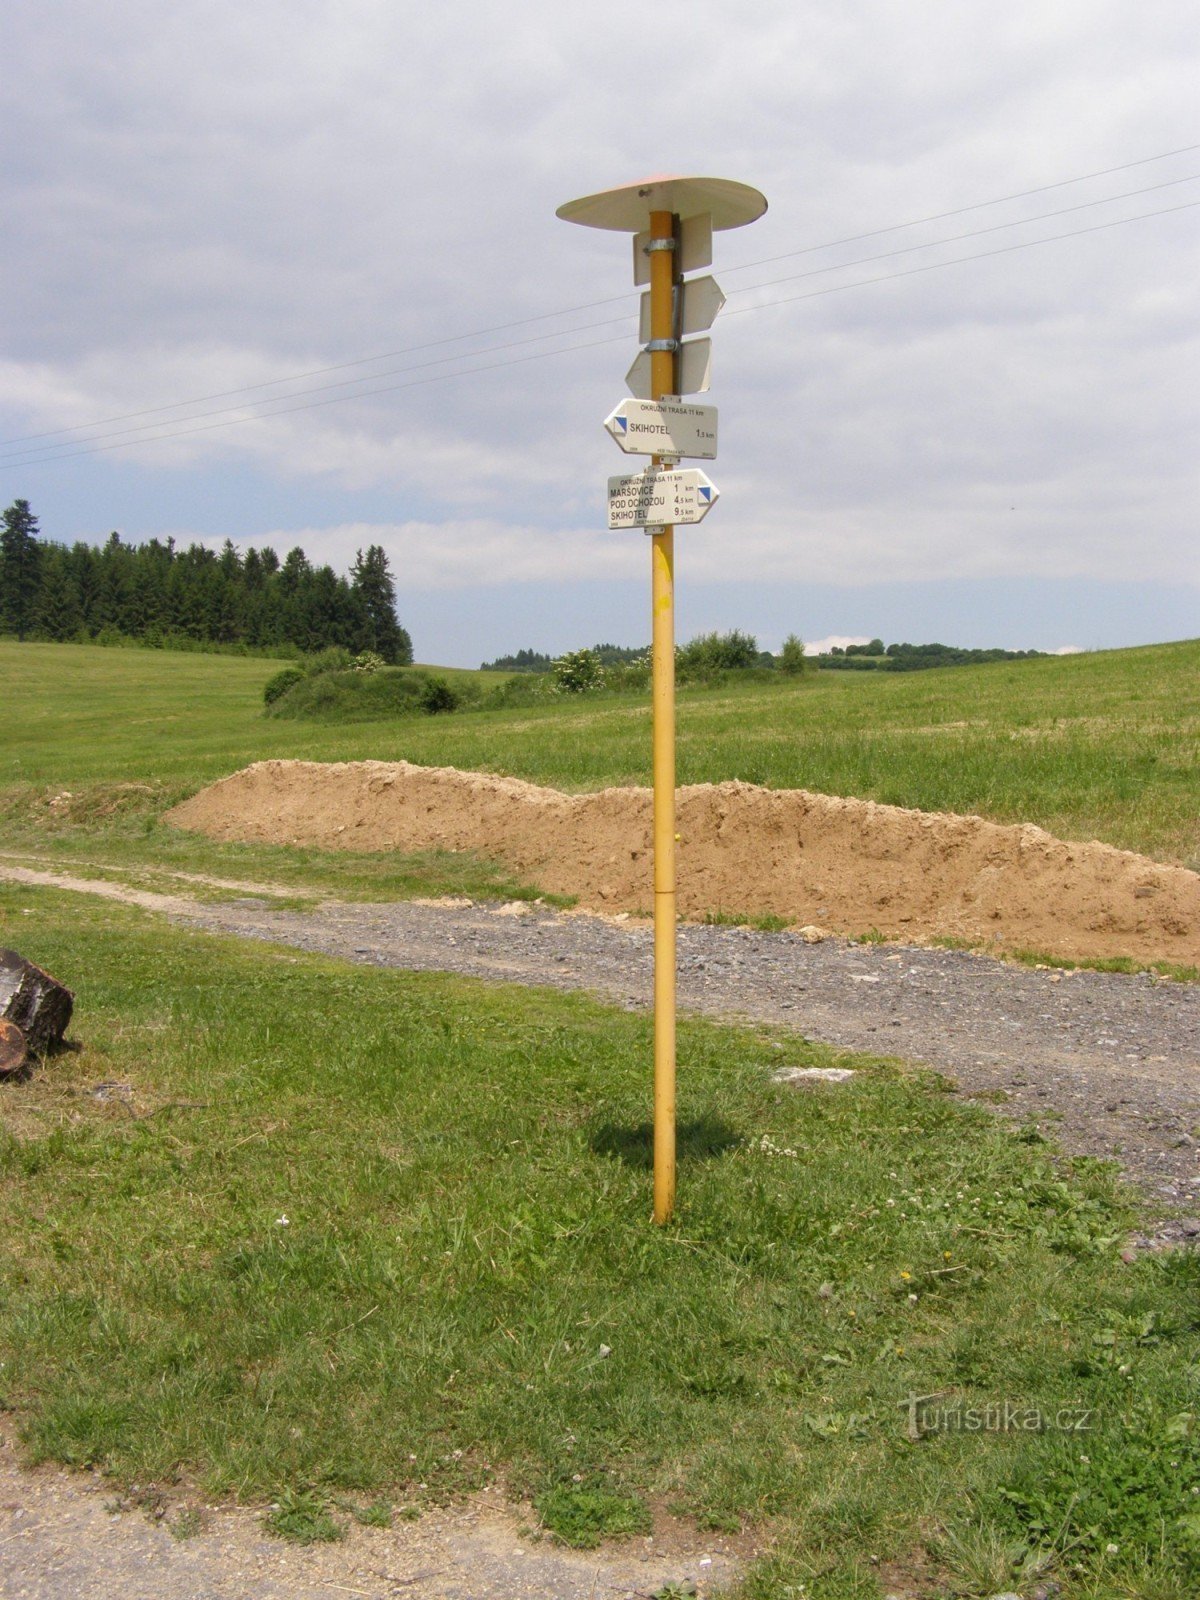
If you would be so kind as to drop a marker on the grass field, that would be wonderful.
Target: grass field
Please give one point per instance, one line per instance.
(324, 1235)
(329, 1236)
(1100, 746)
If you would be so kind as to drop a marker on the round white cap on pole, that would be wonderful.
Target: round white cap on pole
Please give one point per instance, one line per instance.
(627, 210)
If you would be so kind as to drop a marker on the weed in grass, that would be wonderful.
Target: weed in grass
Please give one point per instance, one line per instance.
(1178, 972)
(376, 1515)
(764, 923)
(302, 1516)
(984, 1562)
(187, 1522)
(584, 1513)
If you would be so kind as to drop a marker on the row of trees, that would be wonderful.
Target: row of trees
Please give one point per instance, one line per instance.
(878, 657)
(706, 653)
(156, 594)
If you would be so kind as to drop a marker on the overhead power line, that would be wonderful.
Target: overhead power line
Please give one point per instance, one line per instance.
(67, 450)
(144, 432)
(592, 305)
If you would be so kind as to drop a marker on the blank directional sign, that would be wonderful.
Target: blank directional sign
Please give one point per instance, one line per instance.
(654, 499)
(702, 300)
(694, 370)
(664, 428)
(694, 248)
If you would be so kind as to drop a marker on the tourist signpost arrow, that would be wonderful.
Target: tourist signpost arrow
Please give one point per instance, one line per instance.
(657, 499)
(693, 370)
(664, 428)
(701, 299)
(672, 220)
(693, 248)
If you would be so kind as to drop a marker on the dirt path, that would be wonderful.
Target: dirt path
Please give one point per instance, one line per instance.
(1107, 1064)
(65, 1535)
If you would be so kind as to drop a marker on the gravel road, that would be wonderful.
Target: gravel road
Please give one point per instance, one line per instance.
(1109, 1064)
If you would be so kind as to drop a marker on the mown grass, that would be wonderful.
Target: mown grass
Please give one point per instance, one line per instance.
(310, 1231)
(1102, 746)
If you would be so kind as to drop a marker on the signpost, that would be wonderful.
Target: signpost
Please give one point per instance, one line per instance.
(656, 499)
(693, 369)
(701, 299)
(664, 428)
(672, 220)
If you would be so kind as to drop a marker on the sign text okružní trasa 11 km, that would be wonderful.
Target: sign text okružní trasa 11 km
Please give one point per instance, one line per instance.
(664, 428)
(655, 498)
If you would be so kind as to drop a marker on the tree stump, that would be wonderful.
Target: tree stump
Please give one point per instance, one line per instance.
(12, 1050)
(35, 1002)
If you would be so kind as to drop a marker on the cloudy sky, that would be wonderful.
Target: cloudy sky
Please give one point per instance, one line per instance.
(290, 273)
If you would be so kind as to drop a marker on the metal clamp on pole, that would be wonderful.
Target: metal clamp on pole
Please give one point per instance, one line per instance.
(659, 244)
(670, 345)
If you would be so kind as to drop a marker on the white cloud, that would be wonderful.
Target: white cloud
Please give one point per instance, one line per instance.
(218, 196)
(454, 555)
(838, 641)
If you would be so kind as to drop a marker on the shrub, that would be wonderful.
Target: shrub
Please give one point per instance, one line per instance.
(280, 684)
(716, 652)
(436, 696)
(577, 672)
(334, 659)
(792, 659)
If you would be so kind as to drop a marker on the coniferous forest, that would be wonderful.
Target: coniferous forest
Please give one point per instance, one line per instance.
(157, 595)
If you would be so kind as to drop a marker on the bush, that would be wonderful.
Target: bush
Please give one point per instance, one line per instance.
(350, 696)
(792, 659)
(710, 653)
(577, 672)
(334, 659)
(629, 677)
(280, 684)
(437, 696)
(523, 689)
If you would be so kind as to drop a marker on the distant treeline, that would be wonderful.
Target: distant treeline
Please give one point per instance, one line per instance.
(878, 657)
(726, 651)
(608, 655)
(154, 594)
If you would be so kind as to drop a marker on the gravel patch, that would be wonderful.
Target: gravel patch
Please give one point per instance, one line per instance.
(1105, 1063)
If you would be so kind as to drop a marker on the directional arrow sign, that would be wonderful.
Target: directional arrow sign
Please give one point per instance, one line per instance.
(694, 364)
(654, 499)
(694, 248)
(664, 428)
(702, 300)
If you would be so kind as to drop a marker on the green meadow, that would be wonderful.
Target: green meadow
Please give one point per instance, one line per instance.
(353, 1242)
(1103, 745)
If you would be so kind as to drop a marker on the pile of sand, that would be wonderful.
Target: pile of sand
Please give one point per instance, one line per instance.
(846, 865)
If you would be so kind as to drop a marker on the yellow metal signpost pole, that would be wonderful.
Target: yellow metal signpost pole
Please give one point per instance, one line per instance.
(663, 359)
(681, 215)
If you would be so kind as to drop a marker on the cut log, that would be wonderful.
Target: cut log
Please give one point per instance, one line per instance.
(13, 1052)
(37, 1003)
